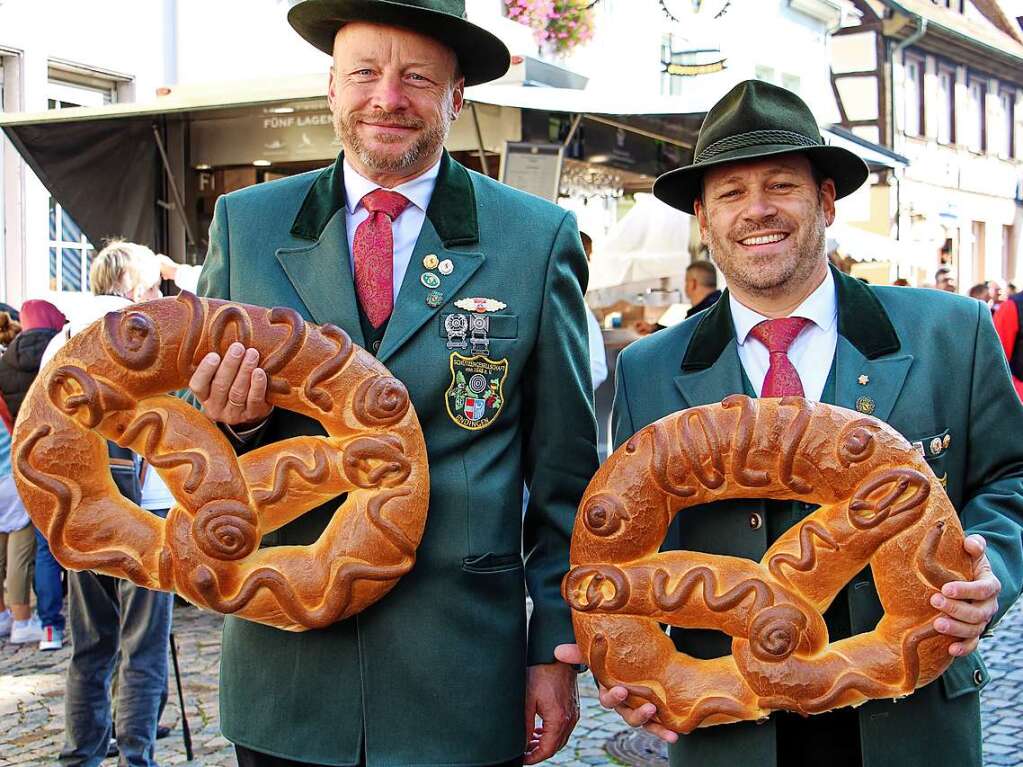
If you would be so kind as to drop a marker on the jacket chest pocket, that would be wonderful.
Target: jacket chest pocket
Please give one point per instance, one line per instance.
(934, 449)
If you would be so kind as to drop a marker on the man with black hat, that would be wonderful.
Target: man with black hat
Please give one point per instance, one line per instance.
(404, 248)
(763, 186)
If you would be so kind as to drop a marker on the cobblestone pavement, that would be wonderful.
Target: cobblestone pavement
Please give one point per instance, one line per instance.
(32, 709)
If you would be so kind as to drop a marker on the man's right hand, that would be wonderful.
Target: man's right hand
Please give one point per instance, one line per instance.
(615, 698)
(232, 390)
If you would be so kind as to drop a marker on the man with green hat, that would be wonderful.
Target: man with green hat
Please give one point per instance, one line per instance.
(471, 293)
(763, 187)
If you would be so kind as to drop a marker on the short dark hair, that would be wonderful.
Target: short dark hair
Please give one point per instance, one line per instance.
(704, 272)
(978, 290)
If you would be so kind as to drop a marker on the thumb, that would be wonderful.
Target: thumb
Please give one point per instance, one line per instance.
(568, 653)
(975, 545)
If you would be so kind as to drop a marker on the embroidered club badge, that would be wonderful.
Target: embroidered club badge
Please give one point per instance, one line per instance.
(476, 394)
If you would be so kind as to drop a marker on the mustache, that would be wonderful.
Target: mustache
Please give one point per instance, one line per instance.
(748, 229)
(390, 119)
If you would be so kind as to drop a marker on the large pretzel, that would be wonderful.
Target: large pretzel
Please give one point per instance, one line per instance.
(881, 505)
(109, 382)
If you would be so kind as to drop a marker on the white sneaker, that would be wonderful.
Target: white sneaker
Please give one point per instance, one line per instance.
(6, 621)
(23, 632)
(53, 638)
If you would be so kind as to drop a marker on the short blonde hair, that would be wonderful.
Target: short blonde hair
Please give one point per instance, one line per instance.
(121, 267)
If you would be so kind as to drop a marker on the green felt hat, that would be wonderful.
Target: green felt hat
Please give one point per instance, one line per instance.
(481, 55)
(756, 119)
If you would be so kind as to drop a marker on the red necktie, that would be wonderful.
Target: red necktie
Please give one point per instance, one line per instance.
(373, 248)
(782, 380)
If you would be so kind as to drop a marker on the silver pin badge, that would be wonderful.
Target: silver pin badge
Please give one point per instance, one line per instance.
(479, 332)
(445, 267)
(456, 326)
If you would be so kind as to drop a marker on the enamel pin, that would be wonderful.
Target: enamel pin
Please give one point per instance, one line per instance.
(480, 305)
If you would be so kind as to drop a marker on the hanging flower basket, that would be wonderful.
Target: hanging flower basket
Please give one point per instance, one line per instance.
(558, 25)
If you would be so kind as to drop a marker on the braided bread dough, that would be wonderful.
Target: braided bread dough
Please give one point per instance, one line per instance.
(881, 504)
(109, 382)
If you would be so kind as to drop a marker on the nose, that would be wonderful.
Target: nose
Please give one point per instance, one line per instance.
(389, 93)
(759, 205)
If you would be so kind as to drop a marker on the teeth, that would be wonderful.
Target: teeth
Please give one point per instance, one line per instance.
(765, 240)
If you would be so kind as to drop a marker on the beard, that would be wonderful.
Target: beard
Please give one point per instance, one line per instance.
(430, 138)
(771, 277)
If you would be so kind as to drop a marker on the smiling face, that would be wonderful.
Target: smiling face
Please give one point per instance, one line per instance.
(393, 94)
(763, 222)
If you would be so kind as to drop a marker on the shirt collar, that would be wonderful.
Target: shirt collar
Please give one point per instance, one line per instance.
(820, 307)
(418, 191)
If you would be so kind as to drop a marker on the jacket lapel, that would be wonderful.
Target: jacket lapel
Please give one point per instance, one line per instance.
(711, 369)
(884, 379)
(320, 271)
(867, 351)
(450, 225)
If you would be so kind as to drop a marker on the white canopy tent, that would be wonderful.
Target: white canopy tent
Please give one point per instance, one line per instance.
(650, 242)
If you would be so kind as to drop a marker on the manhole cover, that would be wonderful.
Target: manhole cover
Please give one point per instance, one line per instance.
(638, 748)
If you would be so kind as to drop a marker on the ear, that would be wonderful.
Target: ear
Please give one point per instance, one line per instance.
(828, 194)
(458, 98)
(701, 219)
(331, 84)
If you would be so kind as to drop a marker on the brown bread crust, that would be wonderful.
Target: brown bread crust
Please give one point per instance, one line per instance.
(110, 382)
(880, 505)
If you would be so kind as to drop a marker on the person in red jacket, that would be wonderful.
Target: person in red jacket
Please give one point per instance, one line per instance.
(1007, 323)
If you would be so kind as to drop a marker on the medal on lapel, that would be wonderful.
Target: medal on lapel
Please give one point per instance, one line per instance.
(476, 394)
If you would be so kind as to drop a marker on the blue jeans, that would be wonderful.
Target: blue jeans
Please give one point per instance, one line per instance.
(49, 590)
(108, 617)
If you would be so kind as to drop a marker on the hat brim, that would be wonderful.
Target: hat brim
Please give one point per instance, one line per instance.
(481, 55)
(679, 188)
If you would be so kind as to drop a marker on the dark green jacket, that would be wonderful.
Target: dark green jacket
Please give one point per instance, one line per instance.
(433, 674)
(935, 368)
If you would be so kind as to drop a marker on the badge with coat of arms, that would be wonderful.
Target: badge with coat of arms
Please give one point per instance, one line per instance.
(476, 394)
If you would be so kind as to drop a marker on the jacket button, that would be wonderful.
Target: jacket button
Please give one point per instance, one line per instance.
(978, 677)
(756, 521)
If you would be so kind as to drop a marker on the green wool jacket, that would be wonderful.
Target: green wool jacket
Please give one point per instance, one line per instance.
(935, 368)
(434, 673)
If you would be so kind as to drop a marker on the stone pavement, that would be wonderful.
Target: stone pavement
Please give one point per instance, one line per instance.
(32, 712)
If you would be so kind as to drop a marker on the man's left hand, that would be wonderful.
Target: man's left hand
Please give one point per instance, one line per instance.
(553, 695)
(968, 606)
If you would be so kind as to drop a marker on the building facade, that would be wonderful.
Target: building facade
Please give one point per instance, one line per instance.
(942, 84)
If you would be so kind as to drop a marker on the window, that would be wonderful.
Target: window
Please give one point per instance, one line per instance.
(71, 253)
(1006, 128)
(976, 117)
(946, 106)
(914, 114)
(1008, 262)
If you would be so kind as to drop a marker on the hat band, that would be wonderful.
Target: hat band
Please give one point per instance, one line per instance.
(754, 138)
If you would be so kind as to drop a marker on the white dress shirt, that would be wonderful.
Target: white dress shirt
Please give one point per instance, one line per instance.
(813, 351)
(405, 227)
(598, 357)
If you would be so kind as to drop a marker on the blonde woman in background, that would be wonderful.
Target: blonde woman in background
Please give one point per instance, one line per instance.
(108, 615)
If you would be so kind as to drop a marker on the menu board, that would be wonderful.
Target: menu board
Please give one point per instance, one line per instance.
(533, 168)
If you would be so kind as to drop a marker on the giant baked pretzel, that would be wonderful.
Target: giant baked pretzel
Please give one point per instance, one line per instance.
(881, 505)
(109, 382)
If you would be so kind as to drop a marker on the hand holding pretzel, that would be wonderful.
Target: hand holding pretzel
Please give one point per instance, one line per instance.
(881, 505)
(232, 389)
(108, 383)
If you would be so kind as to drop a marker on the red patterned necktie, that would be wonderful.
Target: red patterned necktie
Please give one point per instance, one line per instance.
(373, 249)
(782, 379)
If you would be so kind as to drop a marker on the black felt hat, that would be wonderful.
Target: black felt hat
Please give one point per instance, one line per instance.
(481, 55)
(756, 119)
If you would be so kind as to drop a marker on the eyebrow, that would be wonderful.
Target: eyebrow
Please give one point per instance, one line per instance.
(771, 170)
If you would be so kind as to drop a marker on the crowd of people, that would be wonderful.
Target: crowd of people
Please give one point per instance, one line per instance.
(116, 686)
